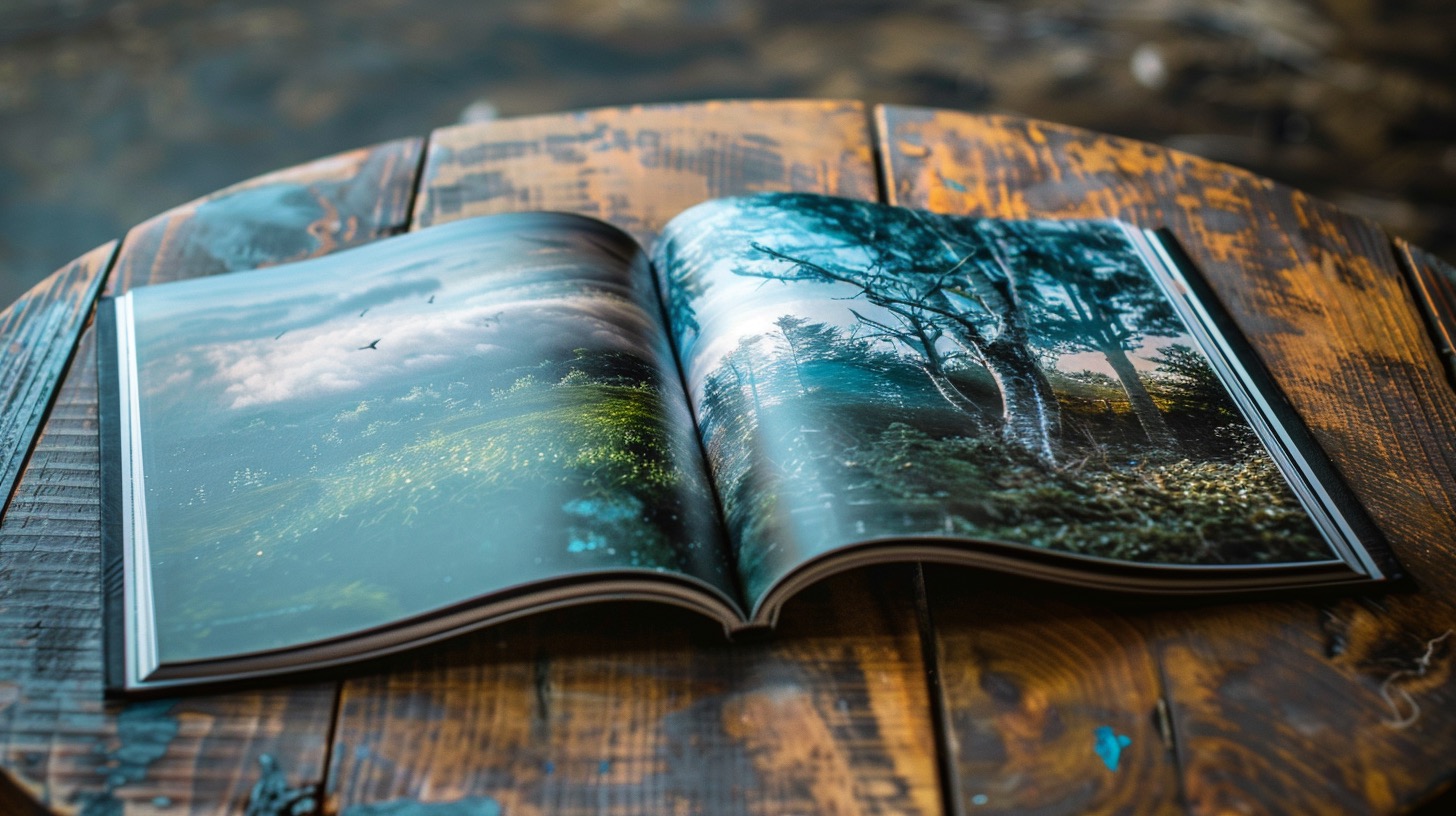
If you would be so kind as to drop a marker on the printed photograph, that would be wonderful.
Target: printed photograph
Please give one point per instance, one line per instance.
(415, 424)
(863, 372)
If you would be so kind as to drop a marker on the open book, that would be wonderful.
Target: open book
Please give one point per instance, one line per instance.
(343, 457)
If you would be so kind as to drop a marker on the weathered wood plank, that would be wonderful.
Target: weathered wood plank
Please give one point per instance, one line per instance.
(1255, 690)
(1434, 282)
(37, 335)
(60, 741)
(1030, 684)
(637, 167)
(638, 709)
(301, 212)
(1261, 693)
(641, 709)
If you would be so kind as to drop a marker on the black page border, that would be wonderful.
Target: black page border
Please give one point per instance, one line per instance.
(1285, 420)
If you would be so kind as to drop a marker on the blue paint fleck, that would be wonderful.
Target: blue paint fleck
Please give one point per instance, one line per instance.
(1109, 744)
(549, 767)
(144, 732)
(953, 184)
(256, 225)
(605, 766)
(272, 794)
(469, 806)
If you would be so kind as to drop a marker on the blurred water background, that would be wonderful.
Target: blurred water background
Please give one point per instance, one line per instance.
(114, 110)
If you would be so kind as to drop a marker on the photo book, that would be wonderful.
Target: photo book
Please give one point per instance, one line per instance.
(340, 458)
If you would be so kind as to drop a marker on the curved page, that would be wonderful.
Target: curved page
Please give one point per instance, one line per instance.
(349, 442)
(863, 372)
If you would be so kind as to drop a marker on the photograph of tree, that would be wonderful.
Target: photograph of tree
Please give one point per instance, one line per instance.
(412, 425)
(863, 372)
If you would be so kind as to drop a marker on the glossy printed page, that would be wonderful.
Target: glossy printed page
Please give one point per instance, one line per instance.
(864, 372)
(351, 441)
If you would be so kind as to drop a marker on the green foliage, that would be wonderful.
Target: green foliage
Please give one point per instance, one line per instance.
(906, 464)
(576, 451)
(520, 386)
(1207, 512)
(577, 431)
(1186, 384)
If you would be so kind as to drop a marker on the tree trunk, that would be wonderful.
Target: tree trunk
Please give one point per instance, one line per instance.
(1143, 407)
(934, 368)
(951, 394)
(1033, 418)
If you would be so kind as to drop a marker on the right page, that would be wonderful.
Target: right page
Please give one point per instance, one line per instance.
(864, 374)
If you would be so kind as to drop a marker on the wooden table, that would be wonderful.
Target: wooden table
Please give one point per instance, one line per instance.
(885, 691)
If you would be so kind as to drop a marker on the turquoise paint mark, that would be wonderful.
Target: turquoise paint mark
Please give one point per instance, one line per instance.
(605, 766)
(469, 806)
(257, 225)
(953, 184)
(273, 796)
(144, 733)
(1109, 744)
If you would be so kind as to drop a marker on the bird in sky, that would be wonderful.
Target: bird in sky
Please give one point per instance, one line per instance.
(374, 345)
(366, 311)
(431, 300)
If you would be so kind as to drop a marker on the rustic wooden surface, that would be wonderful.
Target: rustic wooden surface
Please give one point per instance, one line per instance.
(60, 743)
(638, 167)
(636, 709)
(38, 334)
(302, 212)
(1257, 696)
(1311, 706)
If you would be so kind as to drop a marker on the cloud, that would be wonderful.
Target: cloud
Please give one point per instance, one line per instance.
(473, 299)
(332, 357)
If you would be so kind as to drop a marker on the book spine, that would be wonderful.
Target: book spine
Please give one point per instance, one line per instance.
(113, 555)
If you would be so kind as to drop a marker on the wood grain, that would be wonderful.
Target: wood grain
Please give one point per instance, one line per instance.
(38, 334)
(302, 212)
(628, 709)
(1028, 681)
(644, 709)
(1255, 690)
(637, 167)
(61, 743)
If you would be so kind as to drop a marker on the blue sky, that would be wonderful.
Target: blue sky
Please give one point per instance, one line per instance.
(433, 301)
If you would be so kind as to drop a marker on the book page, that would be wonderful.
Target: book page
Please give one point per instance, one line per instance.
(863, 372)
(352, 441)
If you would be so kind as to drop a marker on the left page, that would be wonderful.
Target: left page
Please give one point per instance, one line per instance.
(344, 443)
